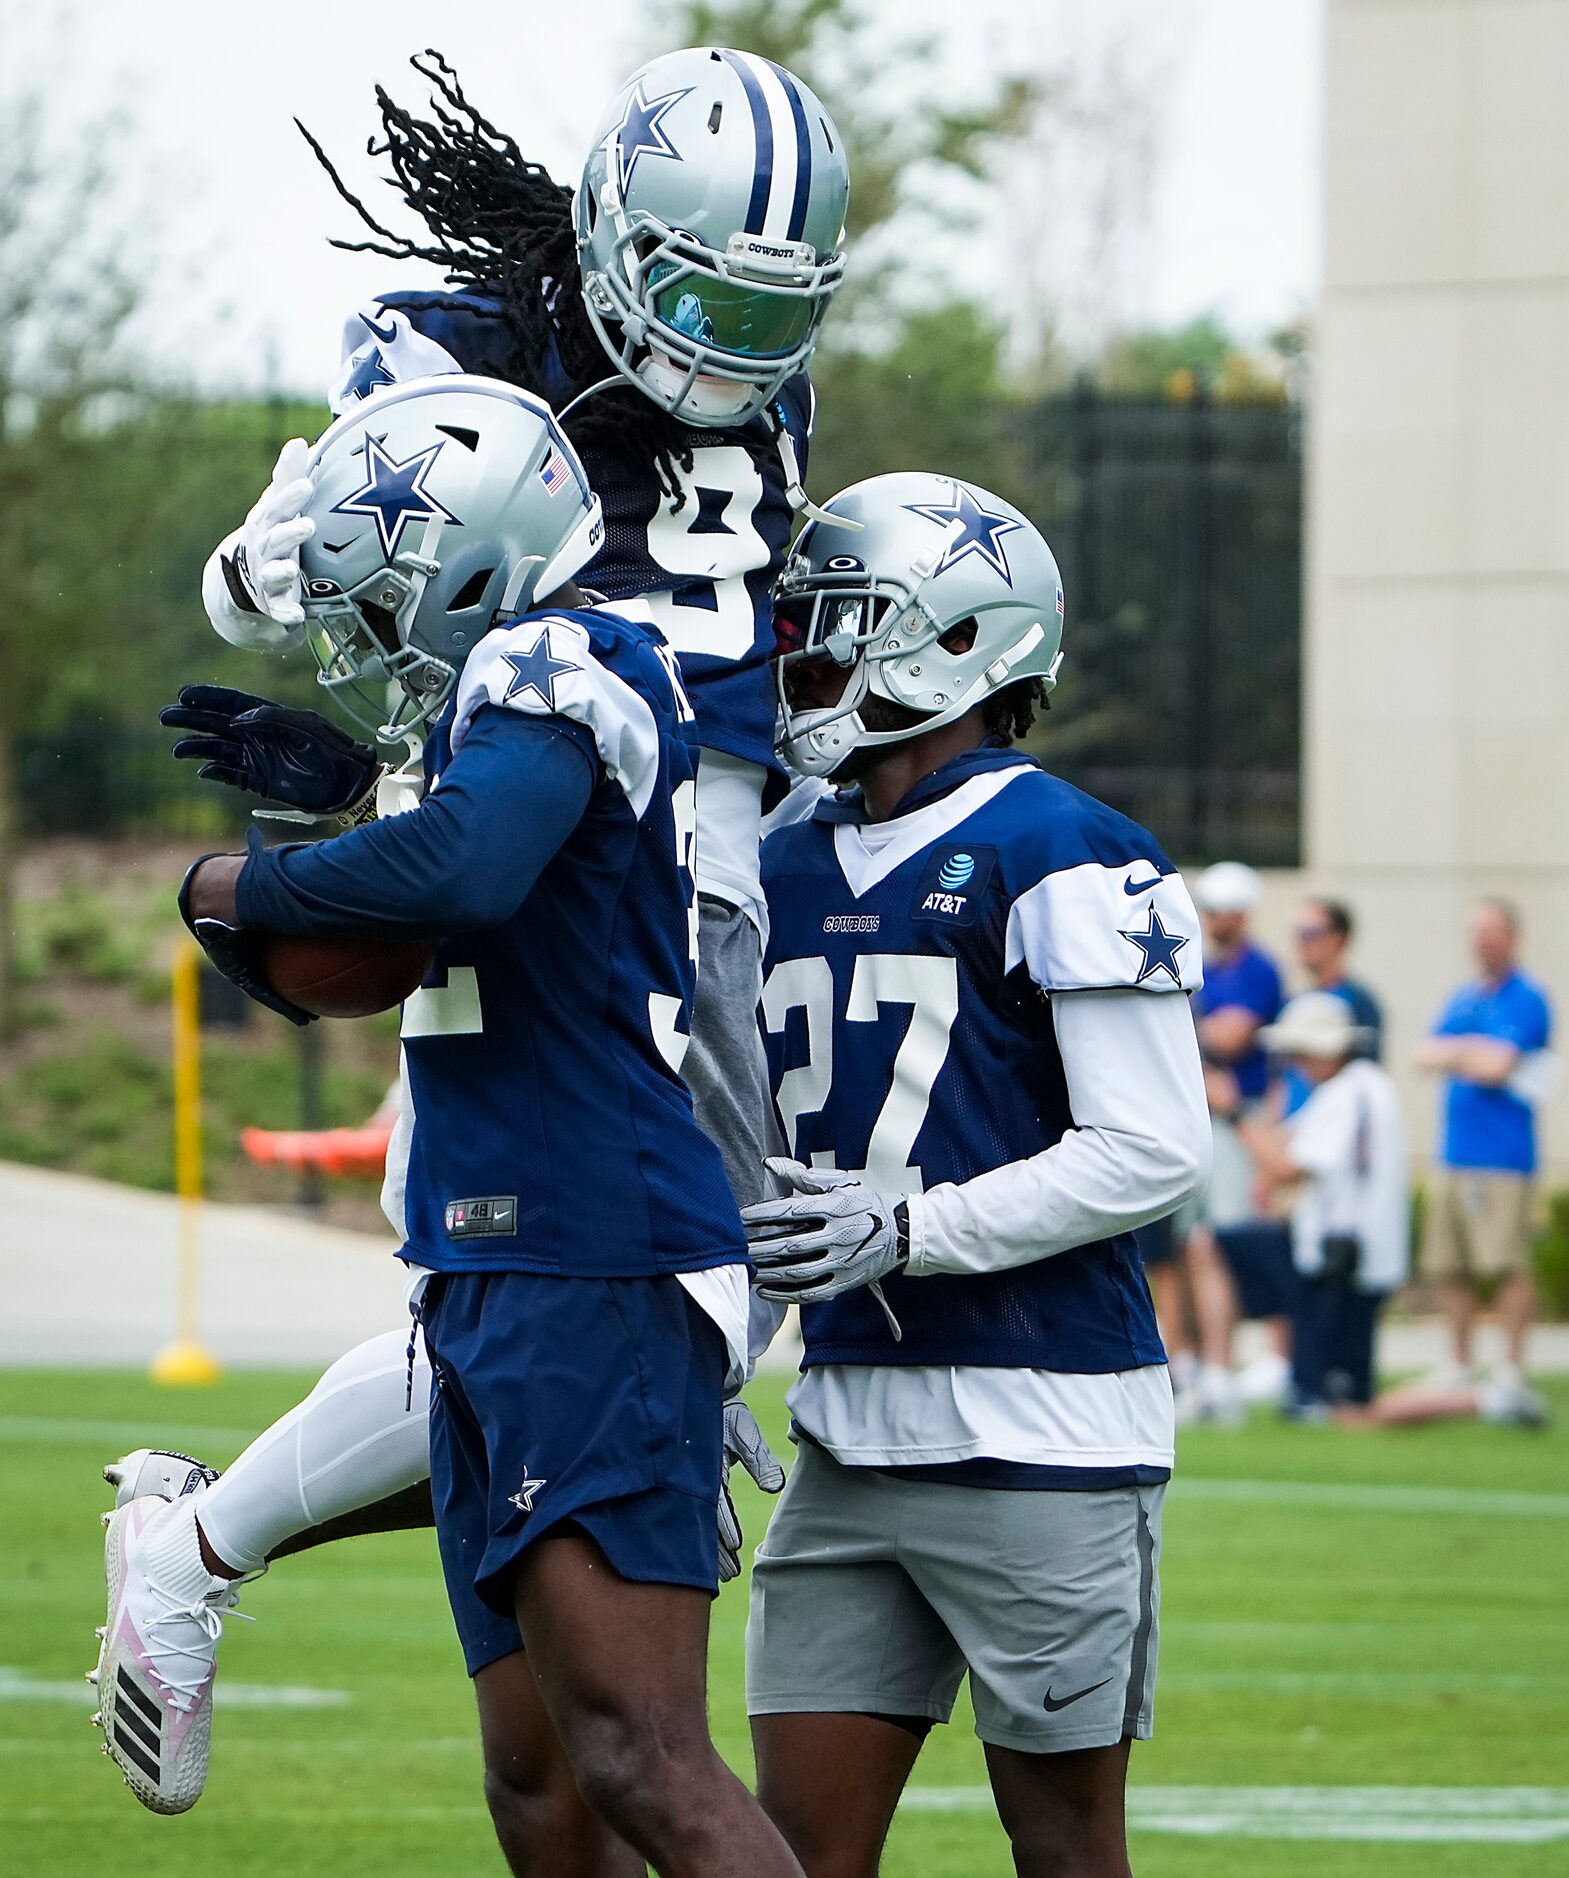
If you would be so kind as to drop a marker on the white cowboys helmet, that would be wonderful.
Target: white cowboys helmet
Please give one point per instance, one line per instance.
(933, 594)
(441, 506)
(710, 224)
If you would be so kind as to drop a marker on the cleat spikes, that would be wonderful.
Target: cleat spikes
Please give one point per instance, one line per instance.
(99, 1632)
(96, 1720)
(104, 1518)
(114, 1473)
(91, 1678)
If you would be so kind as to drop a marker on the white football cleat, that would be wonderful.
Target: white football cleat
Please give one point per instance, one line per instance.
(159, 1657)
(160, 1471)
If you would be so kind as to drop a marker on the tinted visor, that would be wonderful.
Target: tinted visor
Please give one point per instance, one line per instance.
(725, 314)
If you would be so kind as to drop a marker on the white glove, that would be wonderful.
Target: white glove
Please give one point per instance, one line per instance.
(831, 1234)
(744, 1442)
(265, 558)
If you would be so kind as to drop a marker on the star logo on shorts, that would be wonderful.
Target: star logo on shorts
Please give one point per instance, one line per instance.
(523, 1499)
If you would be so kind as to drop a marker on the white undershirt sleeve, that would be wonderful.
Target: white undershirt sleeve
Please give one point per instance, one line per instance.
(1139, 1146)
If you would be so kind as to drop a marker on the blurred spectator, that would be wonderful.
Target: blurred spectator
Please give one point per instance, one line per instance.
(1241, 993)
(1323, 935)
(1490, 1046)
(1342, 1156)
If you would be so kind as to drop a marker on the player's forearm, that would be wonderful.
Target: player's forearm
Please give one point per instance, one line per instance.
(1140, 1146)
(465, 859)
(1093, 1184)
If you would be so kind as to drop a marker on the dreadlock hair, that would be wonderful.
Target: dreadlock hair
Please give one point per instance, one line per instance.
(1010, 713)
(498, 225)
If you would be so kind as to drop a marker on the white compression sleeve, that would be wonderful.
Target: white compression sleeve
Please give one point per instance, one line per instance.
(1139, 1144)
(358, 1437)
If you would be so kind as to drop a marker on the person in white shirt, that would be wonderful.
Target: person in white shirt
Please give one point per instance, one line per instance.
(1343, 1153)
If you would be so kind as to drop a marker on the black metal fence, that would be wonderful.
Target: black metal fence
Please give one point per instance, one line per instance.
(1179, 532)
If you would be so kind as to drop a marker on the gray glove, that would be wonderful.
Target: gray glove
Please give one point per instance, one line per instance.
(830, 1235)
(744, 1443)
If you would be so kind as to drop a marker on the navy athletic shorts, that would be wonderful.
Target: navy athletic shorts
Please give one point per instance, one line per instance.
(593, 1405)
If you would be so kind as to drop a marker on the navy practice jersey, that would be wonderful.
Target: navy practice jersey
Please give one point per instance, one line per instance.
(906, 1012)
(552, 1130)
(705, 562)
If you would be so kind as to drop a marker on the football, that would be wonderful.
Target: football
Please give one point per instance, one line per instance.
(344, 977)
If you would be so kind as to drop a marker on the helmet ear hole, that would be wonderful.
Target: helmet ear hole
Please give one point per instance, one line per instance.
(960, 637)
(471, 592)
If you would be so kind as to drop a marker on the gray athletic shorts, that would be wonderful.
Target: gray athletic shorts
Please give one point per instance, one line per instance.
(724, 1065)
(873, 1595)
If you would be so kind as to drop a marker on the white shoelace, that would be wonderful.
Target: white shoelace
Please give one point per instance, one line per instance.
(207, 1614)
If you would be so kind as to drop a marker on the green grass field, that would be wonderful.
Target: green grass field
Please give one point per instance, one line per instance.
(1319, 1632)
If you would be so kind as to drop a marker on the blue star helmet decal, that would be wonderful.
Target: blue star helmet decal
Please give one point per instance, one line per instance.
(395, 493)
(1160, 949)
(980, 530)
(369, 374)
(641, 132)
(536, 671)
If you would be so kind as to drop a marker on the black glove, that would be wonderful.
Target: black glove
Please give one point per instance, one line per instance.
(233, 951)
(298, 757)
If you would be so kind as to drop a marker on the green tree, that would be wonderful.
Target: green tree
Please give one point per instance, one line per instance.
(62, 307)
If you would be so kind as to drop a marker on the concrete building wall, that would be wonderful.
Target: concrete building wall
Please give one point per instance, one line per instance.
(1437, 643)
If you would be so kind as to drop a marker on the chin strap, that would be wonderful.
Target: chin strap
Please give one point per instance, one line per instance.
(795, 493)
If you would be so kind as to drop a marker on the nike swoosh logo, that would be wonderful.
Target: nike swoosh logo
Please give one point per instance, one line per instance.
(1131, 887)
(386, 337)
(1052, 1703)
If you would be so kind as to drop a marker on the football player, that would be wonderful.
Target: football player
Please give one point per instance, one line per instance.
(667, 310)
(986, 1072)
(580, 1263)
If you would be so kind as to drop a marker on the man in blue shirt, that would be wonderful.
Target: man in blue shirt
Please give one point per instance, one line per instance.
(1241, 993)
(1490, 1046)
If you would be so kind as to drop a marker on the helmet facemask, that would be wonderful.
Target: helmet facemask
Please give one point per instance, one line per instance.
(362, 642)
(883, 630)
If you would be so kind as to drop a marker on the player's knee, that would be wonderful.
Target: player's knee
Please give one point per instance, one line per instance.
(630, 1773)
(823, 1847)
(535, 1818)
(1076, 1838)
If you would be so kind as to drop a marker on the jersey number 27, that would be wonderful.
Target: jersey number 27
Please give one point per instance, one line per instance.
(929, 985)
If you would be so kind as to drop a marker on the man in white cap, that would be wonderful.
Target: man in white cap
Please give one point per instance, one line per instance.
(1241, 994)
(1343, 1155)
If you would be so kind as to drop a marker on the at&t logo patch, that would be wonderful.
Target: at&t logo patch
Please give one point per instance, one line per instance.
(953, 882)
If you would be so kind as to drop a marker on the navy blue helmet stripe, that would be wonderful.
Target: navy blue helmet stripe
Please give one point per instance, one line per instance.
(803, 154)
(763, 175)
